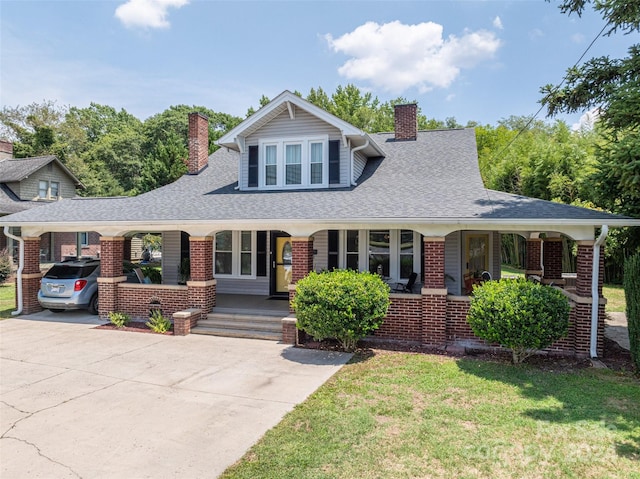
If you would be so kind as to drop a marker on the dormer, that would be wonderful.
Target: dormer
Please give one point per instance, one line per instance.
(292, 144)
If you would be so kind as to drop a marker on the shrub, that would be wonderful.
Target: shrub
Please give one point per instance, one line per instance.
(341, 304)
(632, 297)
(158, 323)
(119, 319)
(153, 273)
(5, 265)
(519, 314)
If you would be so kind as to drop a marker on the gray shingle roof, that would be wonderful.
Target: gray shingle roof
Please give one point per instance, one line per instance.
(17, 169)
(433, 179)
(10, 203)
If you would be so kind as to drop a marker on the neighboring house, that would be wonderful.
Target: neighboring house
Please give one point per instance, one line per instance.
(27, 183)
(294, 189)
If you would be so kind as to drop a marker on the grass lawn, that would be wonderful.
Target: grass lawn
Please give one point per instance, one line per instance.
(615, 298)
(510, 271)
(402, 415)
(7, 299)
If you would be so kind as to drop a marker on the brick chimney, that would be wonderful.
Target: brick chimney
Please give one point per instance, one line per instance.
(6, 149)
(198, 142)
(406, 117)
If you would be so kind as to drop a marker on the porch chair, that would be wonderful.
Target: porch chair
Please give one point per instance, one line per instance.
(406, 288)
(486, 276)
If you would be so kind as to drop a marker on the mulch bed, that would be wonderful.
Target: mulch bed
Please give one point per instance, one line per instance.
(615, 357)
(135, 326)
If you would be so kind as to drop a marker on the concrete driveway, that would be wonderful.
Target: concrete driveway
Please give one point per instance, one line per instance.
(82, 402)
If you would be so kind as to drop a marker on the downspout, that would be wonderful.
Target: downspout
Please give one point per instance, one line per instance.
(595, 297)
(366, 144)
(20, 269)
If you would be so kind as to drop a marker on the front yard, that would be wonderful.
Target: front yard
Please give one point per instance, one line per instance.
(404, 415)
(7, 299)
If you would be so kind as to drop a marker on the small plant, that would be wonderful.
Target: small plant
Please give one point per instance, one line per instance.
(5, 265)
(158, 323)
(153, 273)
(341, 304)
(632, 296)
(519, 314)
(119, 320)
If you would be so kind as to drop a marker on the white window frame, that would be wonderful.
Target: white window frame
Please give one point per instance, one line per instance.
(394, 252)
(236, 256)
(280, 145)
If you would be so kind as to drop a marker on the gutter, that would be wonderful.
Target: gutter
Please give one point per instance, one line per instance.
(595, 298)
(366, 144)
(20, 269)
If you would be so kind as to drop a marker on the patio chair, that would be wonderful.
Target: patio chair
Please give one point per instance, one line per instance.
(486, 276)
(406, 288)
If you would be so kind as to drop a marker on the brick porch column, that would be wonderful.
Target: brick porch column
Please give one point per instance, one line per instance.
(552, 260)
(301, 265)
(434, 293)
(581, 312)
(533, 255)
(111, 273)
(202, 285)
(31, 276)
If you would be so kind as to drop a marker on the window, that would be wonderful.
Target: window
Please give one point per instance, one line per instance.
(293, 168)
(271, 165)
(84, 238)
(55, 189)
(43, 189)
(291, 163)
(235, 253)
(316, 160)
(352, 250)
(406, 253)
(379, 252)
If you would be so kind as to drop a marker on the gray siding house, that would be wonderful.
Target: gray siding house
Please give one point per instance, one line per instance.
(294, 189)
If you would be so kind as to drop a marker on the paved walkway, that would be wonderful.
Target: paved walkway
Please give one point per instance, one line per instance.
(81, 402)
(615, 328)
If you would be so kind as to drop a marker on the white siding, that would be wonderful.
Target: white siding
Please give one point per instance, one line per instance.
(452, 262)
(321, 246)
(359, 162)
(170, 257)
(257, 286)
(303, 125)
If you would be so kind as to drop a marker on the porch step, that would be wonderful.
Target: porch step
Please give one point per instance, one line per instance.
(242, 325)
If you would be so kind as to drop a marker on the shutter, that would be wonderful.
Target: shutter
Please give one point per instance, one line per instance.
(261, 253)
(334, 162)
(253, 166)
(332, 260)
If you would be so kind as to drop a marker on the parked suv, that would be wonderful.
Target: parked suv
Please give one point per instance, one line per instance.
(71, 285)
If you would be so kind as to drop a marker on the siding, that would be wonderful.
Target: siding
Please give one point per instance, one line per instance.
(303, 125)
(29, 186)
(453, 263)
(359, 162)
(321, 246)
(170, 257)
(257, 286)
(497, 255)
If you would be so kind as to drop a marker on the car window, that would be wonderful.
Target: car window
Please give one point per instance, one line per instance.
(67, 271)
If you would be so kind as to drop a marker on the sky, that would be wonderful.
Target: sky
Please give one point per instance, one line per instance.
(479, 61)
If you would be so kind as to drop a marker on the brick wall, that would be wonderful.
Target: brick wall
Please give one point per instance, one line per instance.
(552, 258)
(202, 295)
(302, 258)
(457, 326)
(534, 249)
(112, 255)
(584, 269)
(198, 142)
(201, 258)
(31, 276)
(404, 319)
(433, 263)
(434, 318)
(135, 299)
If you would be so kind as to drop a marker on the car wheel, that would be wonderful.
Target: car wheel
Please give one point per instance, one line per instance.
(56, 310)
(93, 304)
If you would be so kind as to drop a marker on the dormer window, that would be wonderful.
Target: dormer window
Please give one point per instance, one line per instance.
(293, 163)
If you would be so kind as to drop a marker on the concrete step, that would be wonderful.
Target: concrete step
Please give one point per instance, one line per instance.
(250, 312)
(258, 324)
(238, 333)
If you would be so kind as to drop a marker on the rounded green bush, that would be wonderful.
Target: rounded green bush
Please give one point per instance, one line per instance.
(519, 314)
(342, 304)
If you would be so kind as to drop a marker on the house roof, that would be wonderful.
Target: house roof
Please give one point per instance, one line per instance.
(433, 180)
(17, 169)
(10, 203)
(288, 101)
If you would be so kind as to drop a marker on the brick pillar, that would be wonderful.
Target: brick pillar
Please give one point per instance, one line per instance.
(111, 273)
(31, 276)
(434, 294)
(533, 253)
(581, 313)
(301, 264)
(202, 285)
(552, 260)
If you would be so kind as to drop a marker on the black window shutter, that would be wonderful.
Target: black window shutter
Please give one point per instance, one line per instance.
(261, 253)
(332, 260)
(253, 166)
(334, 162)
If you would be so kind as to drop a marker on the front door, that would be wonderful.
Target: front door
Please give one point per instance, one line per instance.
(281, 264)
(477, 254)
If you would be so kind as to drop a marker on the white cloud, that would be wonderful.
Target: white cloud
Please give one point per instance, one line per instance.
(535, 34)
(577, 38)
(497, 23)
(147, 13)
(587, 121)
(396, 57)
